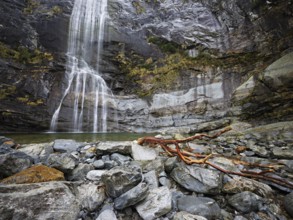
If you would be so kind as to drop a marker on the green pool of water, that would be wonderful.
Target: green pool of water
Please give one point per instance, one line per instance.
(28, 138)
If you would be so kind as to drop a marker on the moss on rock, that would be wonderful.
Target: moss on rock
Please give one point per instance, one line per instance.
(35, 174)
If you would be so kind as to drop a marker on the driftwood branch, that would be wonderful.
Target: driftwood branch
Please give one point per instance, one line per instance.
(193, 158)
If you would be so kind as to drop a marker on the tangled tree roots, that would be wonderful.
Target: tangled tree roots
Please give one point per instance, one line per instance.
(267, 173)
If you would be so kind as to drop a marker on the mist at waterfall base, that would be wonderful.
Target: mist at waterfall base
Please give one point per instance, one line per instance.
(86, 94)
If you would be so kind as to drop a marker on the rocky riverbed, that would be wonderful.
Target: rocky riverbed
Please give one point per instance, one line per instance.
(66, 179)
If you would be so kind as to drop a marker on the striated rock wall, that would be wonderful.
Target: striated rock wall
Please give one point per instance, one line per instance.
(33, 44)
(169, 63)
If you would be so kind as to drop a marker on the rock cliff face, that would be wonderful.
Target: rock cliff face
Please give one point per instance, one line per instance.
(171, 64)
(33, 44)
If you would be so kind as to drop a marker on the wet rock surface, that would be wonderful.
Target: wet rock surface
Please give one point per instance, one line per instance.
(111, 184)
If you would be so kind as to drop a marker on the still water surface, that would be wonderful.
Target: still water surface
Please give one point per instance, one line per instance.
(28, 138)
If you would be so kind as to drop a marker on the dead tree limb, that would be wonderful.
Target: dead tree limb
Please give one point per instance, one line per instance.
(194, 158)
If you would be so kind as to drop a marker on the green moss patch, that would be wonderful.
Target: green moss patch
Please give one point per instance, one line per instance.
(6, 91)
(24, 55)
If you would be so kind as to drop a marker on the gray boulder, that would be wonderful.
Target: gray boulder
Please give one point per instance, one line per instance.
(240, 184)
(201, 206)
(143, 152)
(40, 152)
(288, 203)
(7, 142)
(65, 145)
(151, 179)
(245, 202)
(131, 197)
(90, 196)
(63, 162)
(120, 159)
(95, 175)
(80, 172)
(50, 200)
(187, 216)
(12, 161)
(283, 153)
(120, 179)
(263, 96)
(157, 203)
(107, 214)
(108, 147)
(198, 179)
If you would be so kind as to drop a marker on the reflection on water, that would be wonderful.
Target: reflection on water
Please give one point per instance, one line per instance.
(27, 138)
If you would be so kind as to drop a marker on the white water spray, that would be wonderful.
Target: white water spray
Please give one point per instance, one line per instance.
(86, 90)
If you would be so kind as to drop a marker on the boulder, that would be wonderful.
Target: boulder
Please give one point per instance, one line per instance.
(288, 203)
(120, 179)
(65, 145)
(157, 203)
(139, 152)
(151, 179)
(283, 153)
(245, 202)
(50, 200)
(201, 206)
(7, 142)
(95, 175)
(120, 159)
(279, 75)
(35, 174)
(239, 184)
(90, 196)
(107, 214)
(157, 165)
(63, 162)
(80, 172)
(109, 147)
(197, 179)
(263, 96)
(12, 161)
(40, 152)
(187, 216)
(131, 197)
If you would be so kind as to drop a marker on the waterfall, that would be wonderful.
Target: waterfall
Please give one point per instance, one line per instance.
(86, 91)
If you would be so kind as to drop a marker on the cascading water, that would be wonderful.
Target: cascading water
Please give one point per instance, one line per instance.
(86, 90)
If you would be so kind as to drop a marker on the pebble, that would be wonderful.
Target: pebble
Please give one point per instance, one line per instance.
(99, 164)
(95, 175)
